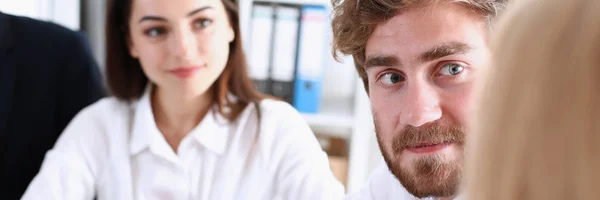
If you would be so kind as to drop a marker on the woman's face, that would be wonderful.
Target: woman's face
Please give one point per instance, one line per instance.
(182, 45)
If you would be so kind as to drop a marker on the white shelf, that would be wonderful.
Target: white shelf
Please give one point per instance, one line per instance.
(345, 109)
(335, 118)
(330, 124)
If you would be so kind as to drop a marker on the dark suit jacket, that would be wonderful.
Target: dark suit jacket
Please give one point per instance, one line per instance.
(47, 75)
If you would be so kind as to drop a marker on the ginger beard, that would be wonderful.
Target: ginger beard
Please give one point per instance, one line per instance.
(434, 173)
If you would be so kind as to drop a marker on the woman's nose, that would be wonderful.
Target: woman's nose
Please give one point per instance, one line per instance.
(183, 45)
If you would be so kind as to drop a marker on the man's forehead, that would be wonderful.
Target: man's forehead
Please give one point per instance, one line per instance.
(418, 29)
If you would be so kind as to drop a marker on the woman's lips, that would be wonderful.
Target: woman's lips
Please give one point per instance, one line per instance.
(428, 148)
(185, 72)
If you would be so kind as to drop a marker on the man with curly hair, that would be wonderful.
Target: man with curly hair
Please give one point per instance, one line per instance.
(418, 60)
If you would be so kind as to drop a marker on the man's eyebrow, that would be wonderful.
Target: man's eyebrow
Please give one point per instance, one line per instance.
(443, 50)
(381, 61)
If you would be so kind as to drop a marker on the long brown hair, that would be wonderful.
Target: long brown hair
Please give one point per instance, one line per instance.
(127, 81)
(536, 134)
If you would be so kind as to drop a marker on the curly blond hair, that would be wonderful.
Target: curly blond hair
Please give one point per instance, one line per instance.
(355, 20)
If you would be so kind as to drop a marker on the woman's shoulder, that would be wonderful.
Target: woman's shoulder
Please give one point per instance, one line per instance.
(99, 125)
(110, 106)
(276, 118)
(103, 112)
(94, 133)
(280, 120)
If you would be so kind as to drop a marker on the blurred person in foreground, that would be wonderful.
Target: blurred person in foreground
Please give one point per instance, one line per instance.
(47, 75)
(536, 133)
(185, 121)
(418, 61)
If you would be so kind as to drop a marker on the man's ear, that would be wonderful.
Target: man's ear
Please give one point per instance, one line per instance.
(132, 50)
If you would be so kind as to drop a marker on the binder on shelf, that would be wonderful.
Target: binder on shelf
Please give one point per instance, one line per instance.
(283, 58)
(260, 46)
(311, 59)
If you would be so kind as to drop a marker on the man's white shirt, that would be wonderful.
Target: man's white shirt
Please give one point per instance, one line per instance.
(383, 185)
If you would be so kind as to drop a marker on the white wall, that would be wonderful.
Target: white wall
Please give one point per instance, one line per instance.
(30, 8)
(63, 12)
(66, 12)
(95, 11)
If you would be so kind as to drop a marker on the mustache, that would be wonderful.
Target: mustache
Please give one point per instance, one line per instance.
(432, 133)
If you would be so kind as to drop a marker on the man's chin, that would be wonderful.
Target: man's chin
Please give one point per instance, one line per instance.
(428, 175)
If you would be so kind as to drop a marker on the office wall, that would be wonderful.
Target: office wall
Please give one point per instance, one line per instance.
(63, 12)
(93, 25)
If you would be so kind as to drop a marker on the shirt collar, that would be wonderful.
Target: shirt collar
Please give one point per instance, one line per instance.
(143, 124)
(212, 132)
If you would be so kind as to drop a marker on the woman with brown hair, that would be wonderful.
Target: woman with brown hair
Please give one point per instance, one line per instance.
(185, 121)
(537, 130)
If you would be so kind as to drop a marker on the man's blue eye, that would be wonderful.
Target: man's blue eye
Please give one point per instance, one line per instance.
(451, 69)
(391, 78)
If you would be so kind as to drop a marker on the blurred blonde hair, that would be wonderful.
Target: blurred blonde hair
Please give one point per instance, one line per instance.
(536, 134)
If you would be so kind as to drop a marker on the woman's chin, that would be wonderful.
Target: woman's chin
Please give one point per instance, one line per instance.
(185, 90)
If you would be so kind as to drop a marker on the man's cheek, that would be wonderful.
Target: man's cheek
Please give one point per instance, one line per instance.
(381, 102)
(466, 108)
(388, 129)
(459, 105)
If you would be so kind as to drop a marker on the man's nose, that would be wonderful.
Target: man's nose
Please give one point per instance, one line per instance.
(421, 106)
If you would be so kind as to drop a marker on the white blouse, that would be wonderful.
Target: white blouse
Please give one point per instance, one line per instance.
(113, 150)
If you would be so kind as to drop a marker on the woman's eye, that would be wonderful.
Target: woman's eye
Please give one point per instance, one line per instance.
(451, 69)
(202, 23)
(155, 32)
(391, 78)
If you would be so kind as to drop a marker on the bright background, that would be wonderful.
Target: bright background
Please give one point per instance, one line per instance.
(343, 123)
